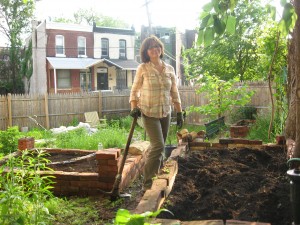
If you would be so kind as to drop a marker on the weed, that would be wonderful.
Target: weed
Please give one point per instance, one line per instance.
(23, 190)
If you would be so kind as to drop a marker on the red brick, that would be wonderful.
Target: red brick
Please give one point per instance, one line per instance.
(218, 145)
(107, 174)
(112, 162)
(104, 154)
(104, 162)
(255, 142)
(238, 222)
(107, 179)
(115, 150)
(88, 176)
(108, 168)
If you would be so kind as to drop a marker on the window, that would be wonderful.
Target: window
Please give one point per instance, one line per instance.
(63, 79)
(104, 47)
(121, 81)
(122, 49)
(60, 45)
(81, 46)
(85, 81)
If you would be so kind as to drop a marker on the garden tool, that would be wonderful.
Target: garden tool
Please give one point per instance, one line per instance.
(114, 193)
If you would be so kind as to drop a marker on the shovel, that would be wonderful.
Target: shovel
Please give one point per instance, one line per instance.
(114, 193)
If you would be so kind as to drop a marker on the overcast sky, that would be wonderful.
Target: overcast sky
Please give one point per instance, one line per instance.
(180, 13)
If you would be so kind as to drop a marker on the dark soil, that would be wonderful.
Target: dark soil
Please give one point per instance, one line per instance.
(73, 162)
(245, 184)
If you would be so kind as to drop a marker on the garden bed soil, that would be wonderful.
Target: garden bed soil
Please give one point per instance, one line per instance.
(240, 184)
(73, 163)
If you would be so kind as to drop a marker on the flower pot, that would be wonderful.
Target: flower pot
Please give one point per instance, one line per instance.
(169, 149)
(280, 140)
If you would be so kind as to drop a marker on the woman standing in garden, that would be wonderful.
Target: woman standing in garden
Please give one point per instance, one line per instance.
(153, 91)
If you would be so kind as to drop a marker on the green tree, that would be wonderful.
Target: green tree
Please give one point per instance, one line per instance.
(90, 16)
(27, 65)
(232, 55)
(17, 15)
(288, 26)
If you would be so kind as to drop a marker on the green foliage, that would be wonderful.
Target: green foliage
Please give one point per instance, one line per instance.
(244, 112)
(23, 192)
(74, 122)
(259, 130)
(75, 211)
(235, 54)
(27, 65)
(9, 140)
(288, 20)
(124, 217)
(79, 138)
(17, 16)
(222, 96)
(218, 19)
(90, 16)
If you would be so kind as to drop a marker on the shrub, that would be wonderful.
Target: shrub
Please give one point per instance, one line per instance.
(9, 140)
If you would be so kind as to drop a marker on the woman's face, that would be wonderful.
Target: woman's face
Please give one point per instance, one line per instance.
(154, 50)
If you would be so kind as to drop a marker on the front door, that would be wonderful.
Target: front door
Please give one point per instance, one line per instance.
(102, 79)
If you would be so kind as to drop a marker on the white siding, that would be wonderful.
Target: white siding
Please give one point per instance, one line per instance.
(114, 45)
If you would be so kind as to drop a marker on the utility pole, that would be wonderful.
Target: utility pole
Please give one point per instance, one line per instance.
(149, 16)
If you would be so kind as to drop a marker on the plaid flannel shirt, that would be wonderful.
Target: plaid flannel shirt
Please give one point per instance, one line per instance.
(154, 91)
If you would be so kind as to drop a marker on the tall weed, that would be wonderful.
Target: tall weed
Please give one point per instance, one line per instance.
(23, 191)
(9, 140)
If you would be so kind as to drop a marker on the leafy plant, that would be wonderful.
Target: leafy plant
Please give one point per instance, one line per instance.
(244, 112)
(9, 140)
(23, 191)
(222, 95)
(124, 217)
(259, 130)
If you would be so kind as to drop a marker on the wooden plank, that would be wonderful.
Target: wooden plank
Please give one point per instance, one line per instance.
(9, 111)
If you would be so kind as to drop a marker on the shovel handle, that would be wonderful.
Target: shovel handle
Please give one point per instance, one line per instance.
(133, 124)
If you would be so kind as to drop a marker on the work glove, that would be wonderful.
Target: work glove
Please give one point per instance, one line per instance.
(135, 112)
(179, 119)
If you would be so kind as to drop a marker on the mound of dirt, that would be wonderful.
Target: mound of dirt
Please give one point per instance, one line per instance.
(241, 184)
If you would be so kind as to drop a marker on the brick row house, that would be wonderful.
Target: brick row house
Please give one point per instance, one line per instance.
(77, 58)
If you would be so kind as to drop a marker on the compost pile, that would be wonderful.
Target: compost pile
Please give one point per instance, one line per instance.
(241, 184)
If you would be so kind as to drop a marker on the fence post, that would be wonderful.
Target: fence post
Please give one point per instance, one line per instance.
(100, 103)
(47, 111)
(9, 112)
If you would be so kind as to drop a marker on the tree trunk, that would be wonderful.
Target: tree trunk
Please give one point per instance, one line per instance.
(293, 120)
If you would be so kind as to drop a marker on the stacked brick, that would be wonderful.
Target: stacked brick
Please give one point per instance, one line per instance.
(84, 184)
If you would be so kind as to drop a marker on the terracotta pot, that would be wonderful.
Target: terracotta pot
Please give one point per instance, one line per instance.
(280, 140)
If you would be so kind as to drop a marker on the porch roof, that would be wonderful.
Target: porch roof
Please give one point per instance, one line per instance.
(123, 64)
(72, 63)
(85, 63)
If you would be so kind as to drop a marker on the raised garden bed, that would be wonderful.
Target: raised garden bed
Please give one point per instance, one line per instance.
(86, 172)
(231, 183)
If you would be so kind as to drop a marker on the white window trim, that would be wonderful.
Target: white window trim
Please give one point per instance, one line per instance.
(63, 44)
(83, 38)
(107, 48)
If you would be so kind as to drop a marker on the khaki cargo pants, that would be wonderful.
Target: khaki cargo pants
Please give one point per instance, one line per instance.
(157, 131)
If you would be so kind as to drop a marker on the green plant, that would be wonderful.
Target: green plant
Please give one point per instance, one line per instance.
(222, 95)
(243, 112)
(9, 140)
(171, 137)
(124, 217)
(23, 191)
(259, 130)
